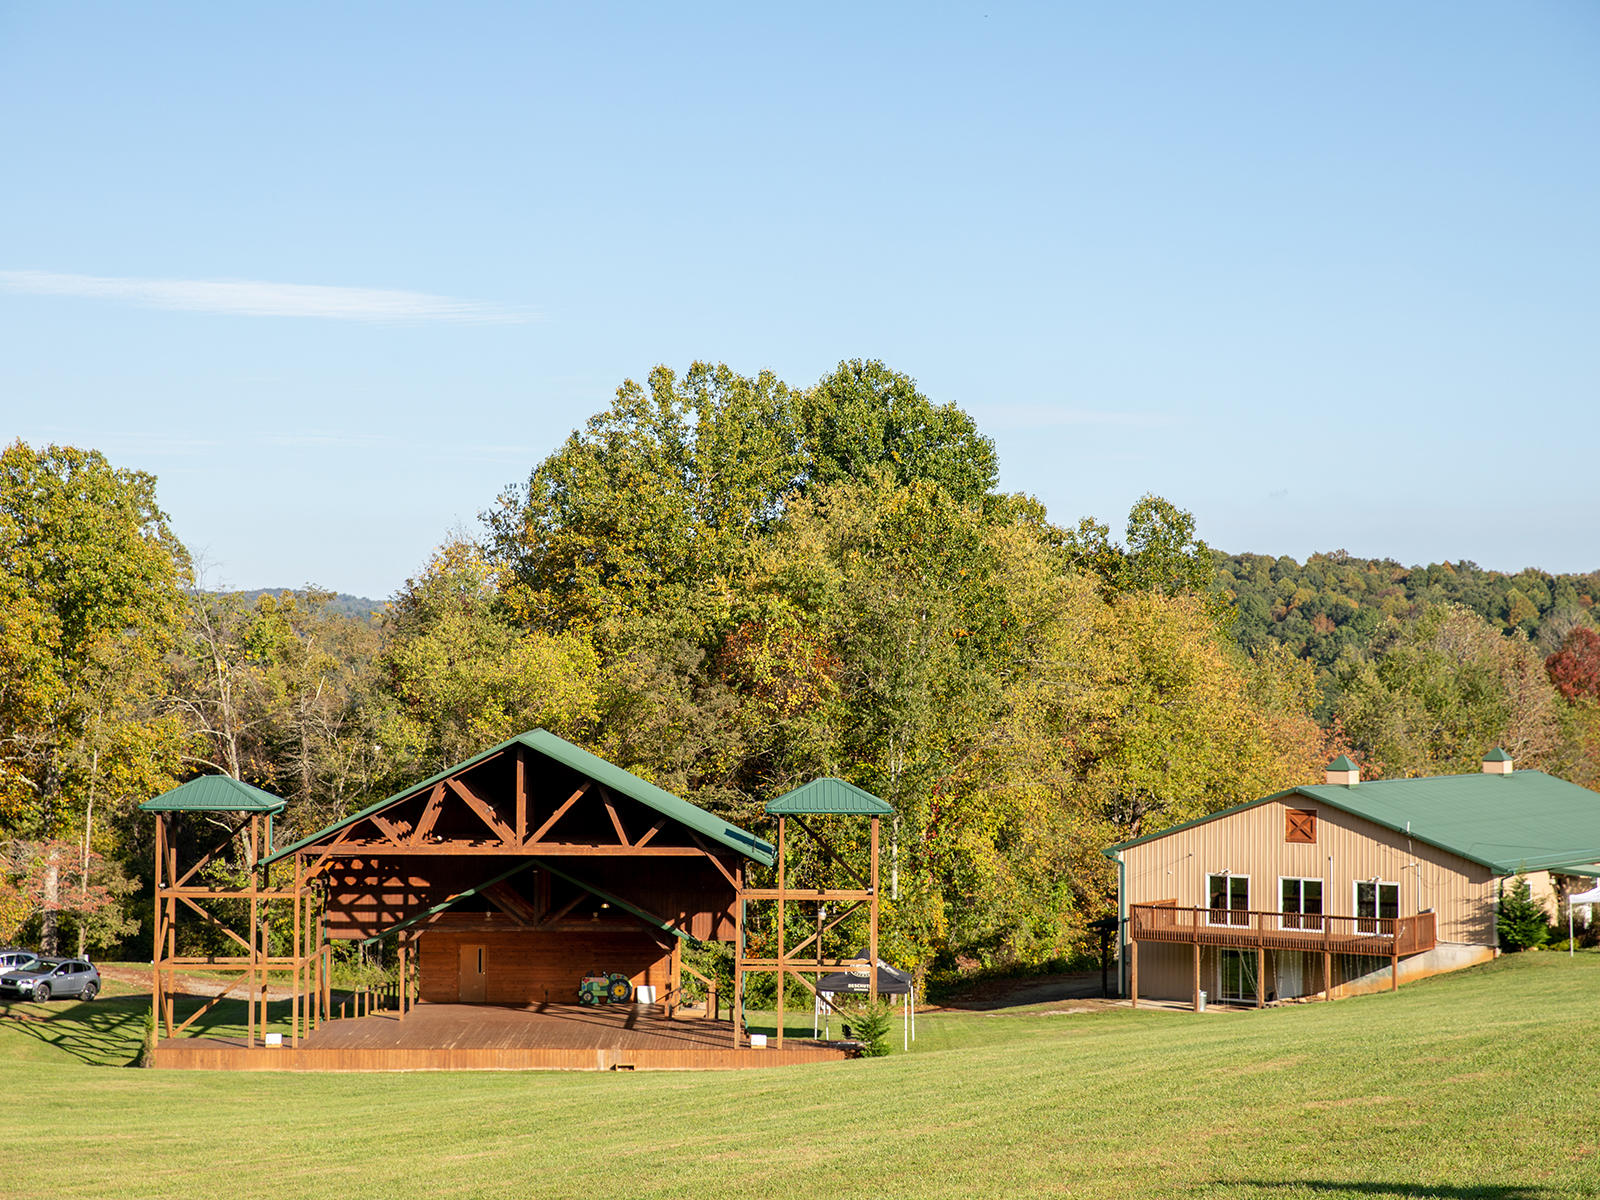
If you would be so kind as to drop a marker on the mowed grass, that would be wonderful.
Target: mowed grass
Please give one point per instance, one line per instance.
(1481, 1084)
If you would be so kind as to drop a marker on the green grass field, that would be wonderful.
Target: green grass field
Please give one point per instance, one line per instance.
(1482, 1084)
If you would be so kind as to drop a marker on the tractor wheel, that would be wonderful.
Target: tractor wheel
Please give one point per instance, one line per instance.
(620, 991)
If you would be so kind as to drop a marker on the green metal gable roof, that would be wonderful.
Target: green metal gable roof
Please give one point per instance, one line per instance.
(591, 766)
(828, 796)
(1502, 822)
(215, 793)
(1505, 822)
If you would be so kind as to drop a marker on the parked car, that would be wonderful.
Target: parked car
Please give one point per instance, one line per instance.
(51, 977)
(13, 959)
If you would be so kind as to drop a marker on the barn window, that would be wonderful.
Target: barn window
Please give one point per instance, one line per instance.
(1300, 825)
(1230, 899)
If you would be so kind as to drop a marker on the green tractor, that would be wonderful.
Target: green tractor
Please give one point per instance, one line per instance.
(605, 989)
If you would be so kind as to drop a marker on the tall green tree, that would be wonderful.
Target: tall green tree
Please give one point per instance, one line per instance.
(94, 579)
(654, 505)
(460, 671)
(864, 417)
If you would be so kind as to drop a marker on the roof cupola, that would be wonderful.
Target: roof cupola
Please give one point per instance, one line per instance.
(1497, 762)
(1342, 771)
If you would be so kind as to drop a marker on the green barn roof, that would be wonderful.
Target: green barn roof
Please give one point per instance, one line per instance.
(1526, 819)
(591, 766)
(215, 793)
(828, 796)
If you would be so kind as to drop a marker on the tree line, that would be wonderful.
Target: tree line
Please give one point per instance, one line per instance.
(731, 585)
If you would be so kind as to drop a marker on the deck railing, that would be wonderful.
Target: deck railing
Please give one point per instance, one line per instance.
(1247, 929)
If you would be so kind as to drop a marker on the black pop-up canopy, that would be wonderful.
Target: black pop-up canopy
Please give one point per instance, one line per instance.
(891, 982)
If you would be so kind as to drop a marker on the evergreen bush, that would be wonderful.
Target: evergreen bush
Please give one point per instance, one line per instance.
(1523, 922)
(870, 1026)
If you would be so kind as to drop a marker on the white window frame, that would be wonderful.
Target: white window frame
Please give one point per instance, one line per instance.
(1321, 917)
(1377, 897)
(1230, 876)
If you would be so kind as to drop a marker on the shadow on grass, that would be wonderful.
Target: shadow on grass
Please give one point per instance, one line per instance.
(110, 1031)
(104, 1032)
(1000, 992)
(1319, 1187)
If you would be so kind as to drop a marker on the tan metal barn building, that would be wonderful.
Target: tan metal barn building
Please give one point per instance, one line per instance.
(1346, 886)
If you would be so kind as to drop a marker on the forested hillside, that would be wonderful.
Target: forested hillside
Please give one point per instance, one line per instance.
(1335, 602)
(346, 605)
(731, 585)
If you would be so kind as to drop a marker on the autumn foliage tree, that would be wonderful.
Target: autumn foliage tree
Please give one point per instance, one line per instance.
(1575, 667)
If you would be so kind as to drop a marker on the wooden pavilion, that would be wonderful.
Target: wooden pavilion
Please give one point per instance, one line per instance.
(504, 881)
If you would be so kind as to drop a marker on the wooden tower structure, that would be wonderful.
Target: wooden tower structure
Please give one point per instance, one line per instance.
(845, 890)
(234, 820)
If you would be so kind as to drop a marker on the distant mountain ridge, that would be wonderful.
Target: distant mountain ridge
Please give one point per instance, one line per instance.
(357, 608)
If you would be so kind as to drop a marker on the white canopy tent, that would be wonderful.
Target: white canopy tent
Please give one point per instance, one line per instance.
(1591, 898)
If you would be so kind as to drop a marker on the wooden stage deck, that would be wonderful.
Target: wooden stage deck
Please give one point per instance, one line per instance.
(480, 1037)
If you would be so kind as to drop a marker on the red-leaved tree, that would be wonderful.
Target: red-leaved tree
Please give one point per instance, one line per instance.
(1575, 667)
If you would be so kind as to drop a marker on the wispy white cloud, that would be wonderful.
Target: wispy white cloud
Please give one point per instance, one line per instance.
(255, 298)
(1026, 415)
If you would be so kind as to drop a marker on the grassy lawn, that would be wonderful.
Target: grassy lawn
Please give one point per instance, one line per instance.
(1482, 1084)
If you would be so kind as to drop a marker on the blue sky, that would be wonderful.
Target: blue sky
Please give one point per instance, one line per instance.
(337, 274)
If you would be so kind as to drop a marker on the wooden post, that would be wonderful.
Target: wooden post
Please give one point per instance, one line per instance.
(1133, 973)
(400, 998)
(155, 943)
(522, 795)
(1327, 975)
(255, 953)
(1197, 976)
(676, 982)
(1394, 968)
(783, 963)
(737, 1012)
(1261, 977)
(872, 934)
(294, 1003)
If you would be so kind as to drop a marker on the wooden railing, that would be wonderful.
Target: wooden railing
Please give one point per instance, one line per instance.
(1248, 929)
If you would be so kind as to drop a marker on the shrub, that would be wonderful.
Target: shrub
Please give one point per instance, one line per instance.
(870, 1026)
(1523, 922)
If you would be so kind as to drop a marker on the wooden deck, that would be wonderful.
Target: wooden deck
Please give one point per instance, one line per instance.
(1244, 930)
(477, 1037)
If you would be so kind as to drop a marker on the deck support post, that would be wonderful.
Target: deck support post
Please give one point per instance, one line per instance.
(1261, 977)
(1394, 970)
(1327, 975)
(1133, 973)
(1197, 977)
